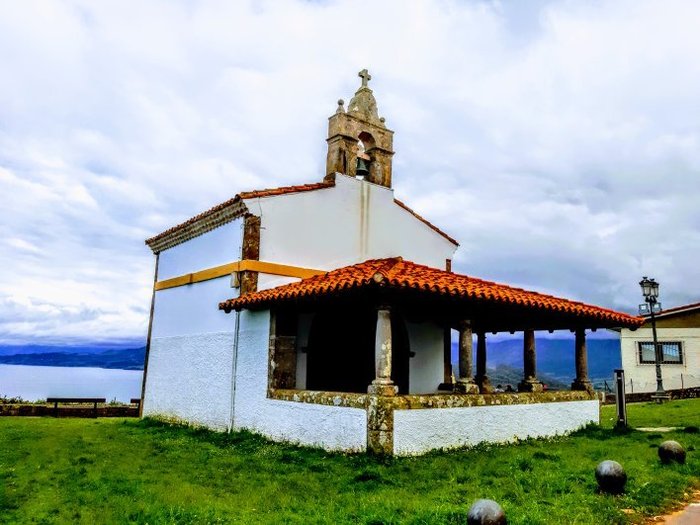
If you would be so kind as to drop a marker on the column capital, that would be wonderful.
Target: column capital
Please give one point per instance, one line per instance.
(464, 324)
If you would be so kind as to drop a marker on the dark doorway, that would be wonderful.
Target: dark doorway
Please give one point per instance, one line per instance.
(340, 351)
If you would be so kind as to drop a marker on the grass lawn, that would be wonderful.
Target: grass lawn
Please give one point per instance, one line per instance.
(131, 471)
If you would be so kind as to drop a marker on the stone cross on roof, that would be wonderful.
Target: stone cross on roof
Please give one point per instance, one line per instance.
(365, 76)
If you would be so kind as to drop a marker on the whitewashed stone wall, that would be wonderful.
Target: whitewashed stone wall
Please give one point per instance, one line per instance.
(189, 378)
(420, 430)
(333, 428)
(190, 364)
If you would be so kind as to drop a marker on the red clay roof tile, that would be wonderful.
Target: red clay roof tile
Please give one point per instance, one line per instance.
(397, 273)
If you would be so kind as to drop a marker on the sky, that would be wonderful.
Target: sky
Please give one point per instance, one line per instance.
(558, 141)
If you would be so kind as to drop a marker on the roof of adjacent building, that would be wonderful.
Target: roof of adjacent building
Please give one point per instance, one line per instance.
(235, 207)
(676, 310)
(398, 274)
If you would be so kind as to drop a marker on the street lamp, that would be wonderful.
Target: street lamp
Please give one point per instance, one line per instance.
(650, 290)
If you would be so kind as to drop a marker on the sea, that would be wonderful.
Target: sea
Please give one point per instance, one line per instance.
(33, 383)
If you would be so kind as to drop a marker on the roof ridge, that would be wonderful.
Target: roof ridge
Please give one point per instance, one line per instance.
(388, 265)
(424, 221)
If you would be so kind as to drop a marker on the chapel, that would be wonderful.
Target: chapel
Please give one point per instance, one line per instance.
(322, 314)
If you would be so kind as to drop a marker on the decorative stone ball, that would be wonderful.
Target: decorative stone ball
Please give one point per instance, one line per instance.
(611, 477)
(671, 451)
(486, 512)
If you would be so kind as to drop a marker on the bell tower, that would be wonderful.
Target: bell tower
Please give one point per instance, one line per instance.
(359, 144)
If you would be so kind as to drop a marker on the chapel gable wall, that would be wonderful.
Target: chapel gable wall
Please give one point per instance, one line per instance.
(342, 225)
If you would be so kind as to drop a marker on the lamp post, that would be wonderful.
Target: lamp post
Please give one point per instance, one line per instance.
(650, 290)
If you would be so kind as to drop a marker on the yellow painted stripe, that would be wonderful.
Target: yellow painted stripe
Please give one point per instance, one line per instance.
(278, 269)
(238, 266)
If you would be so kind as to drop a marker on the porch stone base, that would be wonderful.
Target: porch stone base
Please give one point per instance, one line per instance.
(382, 390)
(582, 385)
(530, 385)
(466, 387)
(484, 384)
(415, 424)
(380, 425)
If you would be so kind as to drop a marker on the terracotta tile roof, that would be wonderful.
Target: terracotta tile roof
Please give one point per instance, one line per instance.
(235, 204)
(426, 222)
(399, 274)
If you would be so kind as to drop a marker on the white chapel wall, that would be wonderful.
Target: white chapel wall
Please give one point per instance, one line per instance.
(342, 225)
(421, 430)
(216, 247)
(189, 378)
(426, 367)
(191, 354)
(642, 377)
(331, 427)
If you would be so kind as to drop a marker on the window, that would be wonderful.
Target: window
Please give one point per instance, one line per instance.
(672, 353)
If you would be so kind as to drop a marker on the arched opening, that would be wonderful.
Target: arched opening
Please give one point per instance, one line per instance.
(340, 351)
(367, 140)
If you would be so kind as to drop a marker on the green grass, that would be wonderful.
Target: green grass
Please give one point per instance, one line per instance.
(130, 471)
(681, 413)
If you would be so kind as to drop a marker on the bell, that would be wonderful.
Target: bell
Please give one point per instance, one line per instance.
(362, 169)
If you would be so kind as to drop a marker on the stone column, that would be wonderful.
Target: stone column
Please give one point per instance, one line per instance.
(581, 382)
(529, 382)
(465, 383)
(380, 402)
(481, 378)
(382, 384)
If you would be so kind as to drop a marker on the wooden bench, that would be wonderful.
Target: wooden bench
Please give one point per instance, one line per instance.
(93, 400)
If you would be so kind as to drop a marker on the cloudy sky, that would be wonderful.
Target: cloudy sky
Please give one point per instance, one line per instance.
(558, 141)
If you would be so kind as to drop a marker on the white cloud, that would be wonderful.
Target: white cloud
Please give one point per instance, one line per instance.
(558, 141)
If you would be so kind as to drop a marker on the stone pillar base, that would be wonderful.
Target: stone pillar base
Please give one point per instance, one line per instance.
(383, 389)
(380, 442)
(484, 385)
(530, 385)
(584, 384)
(466, 386)
(380, 425)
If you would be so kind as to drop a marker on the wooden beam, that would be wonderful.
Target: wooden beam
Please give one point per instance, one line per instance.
(279, 269)
(238, 266)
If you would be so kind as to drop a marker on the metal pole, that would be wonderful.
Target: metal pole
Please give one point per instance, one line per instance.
(658, 355)
(620, 400)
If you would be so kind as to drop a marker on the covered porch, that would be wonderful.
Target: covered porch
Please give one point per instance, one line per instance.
(377, 336)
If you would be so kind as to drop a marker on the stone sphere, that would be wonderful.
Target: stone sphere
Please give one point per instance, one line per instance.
(611, 477)
(486, 512)
(671, 451)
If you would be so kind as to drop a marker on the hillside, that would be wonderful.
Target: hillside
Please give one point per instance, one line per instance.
(120, 358)
(555, 357)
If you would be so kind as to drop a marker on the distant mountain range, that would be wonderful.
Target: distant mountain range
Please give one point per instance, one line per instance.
(90, 356)
(555, 358)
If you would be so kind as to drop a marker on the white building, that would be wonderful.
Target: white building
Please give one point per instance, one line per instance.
(678, 333)
(321, 314)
